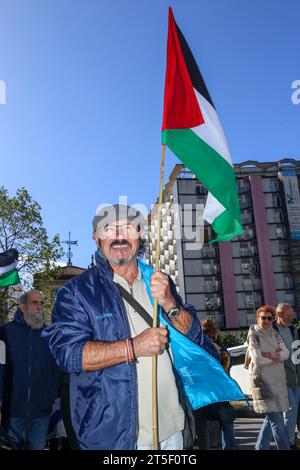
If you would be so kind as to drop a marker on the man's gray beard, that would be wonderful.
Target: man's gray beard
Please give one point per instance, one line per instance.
(118, 262)
(122, 261)
(35, 321)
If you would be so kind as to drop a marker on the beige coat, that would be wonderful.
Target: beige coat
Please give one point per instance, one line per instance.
(267, 378)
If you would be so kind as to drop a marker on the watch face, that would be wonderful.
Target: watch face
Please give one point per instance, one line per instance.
(174, 312)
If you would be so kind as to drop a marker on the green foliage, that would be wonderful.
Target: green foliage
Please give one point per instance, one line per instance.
(229, 340)
(21, 227)
(243, 337)
(296, 323)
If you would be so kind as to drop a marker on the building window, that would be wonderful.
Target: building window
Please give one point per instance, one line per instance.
(200, 189)
(278, 216)
(251, 233)
(246, 268)
(250, 267)
(243, 186)
(288, 282)
(245, 202)
(248, 234)
(250, 318)
(253, 300)
(283, 249)
(207, 284)
(208, 252)
(244, 250)
(248, 300)
(280, 232)
(210, 285)
(253, 249)
(289, 298)
(247, 284)
(212, 303)
(207, 268)
(246, 218)
(274, 185)
(276, 201)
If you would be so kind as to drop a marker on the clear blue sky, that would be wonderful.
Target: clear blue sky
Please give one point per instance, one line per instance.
(84, 92)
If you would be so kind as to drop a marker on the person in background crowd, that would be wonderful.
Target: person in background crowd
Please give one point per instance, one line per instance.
(30, 377)
(223, 412)
(267, 353)
(66, 410)
(289, 334)
(57, 437)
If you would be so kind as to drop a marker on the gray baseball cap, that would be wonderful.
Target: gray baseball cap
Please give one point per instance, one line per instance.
(108, 214)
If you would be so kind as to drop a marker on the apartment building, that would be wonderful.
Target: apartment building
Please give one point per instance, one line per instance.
(228, 281)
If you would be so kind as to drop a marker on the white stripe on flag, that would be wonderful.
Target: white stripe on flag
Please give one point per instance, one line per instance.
(213, 208)
(211, 131)
(9, 267)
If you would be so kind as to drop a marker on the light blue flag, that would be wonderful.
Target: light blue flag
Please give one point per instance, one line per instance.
(202, 376)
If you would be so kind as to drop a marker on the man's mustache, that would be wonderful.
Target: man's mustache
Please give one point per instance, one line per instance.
(123, 243)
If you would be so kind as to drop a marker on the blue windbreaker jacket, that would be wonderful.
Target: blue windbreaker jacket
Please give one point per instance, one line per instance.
(104, 403)
(30, 372)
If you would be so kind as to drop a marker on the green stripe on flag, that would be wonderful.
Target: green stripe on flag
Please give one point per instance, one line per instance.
(226, 227)
(214, 172)
(9, 279)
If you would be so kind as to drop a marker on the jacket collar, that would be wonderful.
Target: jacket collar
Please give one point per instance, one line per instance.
(103, 266)
(19, 318)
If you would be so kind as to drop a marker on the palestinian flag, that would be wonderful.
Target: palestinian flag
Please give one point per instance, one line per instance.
(8, 268)
(192, 130)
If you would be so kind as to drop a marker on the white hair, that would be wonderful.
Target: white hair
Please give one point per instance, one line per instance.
(282, 307)
(24, 297)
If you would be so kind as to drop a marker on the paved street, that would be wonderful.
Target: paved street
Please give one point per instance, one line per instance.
(246, 432)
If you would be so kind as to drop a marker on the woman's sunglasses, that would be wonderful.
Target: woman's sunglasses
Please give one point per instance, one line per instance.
(262, 317)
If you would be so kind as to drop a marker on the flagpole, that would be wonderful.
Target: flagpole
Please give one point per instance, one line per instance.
(155, 309)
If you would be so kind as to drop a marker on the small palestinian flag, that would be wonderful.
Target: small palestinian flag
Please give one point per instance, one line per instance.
(8, 268)
(192, 130)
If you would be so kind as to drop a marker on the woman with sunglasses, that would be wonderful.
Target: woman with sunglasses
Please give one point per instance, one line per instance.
(267, 353)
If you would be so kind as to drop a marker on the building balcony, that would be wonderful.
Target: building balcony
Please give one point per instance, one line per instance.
(243, 189)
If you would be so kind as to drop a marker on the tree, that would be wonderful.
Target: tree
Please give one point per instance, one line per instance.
(21, 227)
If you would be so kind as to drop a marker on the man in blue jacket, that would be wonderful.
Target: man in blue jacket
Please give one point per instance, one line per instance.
(30, 375)
(106, 346)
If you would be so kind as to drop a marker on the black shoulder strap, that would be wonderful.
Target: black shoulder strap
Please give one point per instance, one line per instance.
(135, 305)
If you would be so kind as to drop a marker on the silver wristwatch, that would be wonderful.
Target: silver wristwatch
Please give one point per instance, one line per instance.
(173, 313)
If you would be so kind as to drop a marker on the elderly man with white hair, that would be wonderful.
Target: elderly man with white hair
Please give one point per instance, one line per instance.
(30, 375)
(290, 336)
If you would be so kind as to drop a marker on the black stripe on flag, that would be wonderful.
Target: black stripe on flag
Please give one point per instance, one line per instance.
(193, 69)
(8, 257)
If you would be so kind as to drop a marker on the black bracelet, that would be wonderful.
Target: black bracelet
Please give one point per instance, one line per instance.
(133, 351)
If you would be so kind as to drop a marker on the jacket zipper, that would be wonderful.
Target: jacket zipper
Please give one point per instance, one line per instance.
(29, 374)
(116, 296)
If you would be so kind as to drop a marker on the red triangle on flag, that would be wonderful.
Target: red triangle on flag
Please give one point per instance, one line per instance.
(181, 108)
